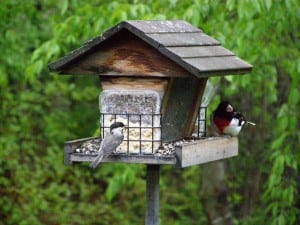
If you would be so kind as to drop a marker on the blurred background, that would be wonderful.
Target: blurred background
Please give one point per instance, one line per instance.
(39, 111)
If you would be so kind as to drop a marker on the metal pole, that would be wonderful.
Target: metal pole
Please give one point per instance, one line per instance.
(152, 192)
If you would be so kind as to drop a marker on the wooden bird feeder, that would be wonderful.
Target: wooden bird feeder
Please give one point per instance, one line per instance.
(153, 75)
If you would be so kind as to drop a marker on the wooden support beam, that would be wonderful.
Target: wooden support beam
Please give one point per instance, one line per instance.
(152, 195)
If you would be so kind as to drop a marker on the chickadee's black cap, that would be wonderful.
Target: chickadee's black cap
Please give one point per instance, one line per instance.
(116, 124)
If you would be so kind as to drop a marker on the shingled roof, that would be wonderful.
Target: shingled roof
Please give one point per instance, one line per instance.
(179, 41)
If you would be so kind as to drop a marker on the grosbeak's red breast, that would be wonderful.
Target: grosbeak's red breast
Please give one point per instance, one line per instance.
(226, 120)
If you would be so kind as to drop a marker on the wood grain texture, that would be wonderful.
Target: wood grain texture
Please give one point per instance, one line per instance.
(127, 83)
(191, 120)
(207, 150)
(123, 158)
(152, 195)
(178, 108)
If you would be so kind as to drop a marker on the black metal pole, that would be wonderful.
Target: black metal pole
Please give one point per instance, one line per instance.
(152, 192)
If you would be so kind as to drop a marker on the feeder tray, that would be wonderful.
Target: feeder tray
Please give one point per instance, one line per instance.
(190, 152)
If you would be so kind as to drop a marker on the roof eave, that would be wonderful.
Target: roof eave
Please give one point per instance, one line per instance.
(87, 46)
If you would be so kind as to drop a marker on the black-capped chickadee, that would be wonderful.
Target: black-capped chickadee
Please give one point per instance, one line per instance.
(226, 120)
(110, 142)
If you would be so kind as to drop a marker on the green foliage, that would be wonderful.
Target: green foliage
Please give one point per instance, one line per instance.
(39, 111)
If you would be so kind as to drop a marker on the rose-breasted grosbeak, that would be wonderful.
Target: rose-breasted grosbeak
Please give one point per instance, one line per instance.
(226, 120)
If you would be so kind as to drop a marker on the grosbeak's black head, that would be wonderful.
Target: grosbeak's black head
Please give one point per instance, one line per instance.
(225, 111)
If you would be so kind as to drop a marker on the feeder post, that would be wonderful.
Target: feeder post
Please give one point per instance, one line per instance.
(152, 195)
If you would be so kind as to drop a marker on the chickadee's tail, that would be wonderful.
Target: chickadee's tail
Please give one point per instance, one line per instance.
(97, 161)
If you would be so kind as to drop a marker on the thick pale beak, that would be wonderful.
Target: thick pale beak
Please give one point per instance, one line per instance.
(253, 124)
(229, 108)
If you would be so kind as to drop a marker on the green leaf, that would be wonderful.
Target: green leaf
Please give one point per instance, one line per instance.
(230, 4)
(283, 111)
(298, 65)
(281, 219)
(268, 4)
(256, 5)
(64, 6)
(283, 122)
(3, 77)
(273, 180)
(294, 96)
(113, 188)
(279, 141)
(195, 17)
(278, 167)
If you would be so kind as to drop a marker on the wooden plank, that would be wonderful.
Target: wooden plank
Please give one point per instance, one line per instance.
(177, 107)
(178, 60)
(124, 158)
(225, 63)
(183, 39)
(191, 120)
(163, 26)
(207, 150)
(200, 51)
(68, 152)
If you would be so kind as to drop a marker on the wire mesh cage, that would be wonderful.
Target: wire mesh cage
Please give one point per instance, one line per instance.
(142, 134)
(143, 131)
(201, 123)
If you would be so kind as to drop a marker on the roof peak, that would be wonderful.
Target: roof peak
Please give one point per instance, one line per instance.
(177, 40)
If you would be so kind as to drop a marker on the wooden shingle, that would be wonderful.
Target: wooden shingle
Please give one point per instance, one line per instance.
(163, 26)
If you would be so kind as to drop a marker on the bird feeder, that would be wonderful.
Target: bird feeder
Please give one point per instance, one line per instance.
(153, 75)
